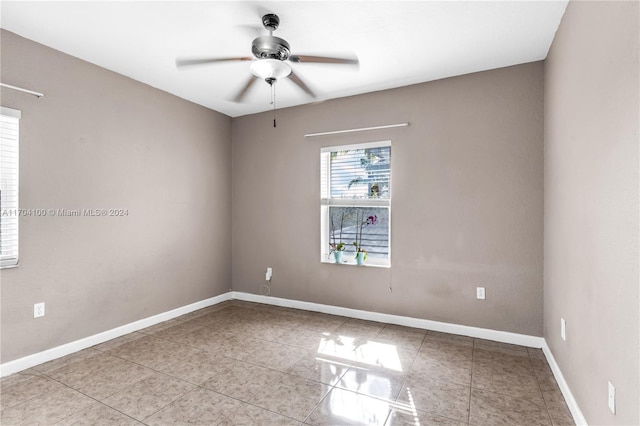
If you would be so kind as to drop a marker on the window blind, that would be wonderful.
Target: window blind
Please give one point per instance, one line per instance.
(356, 173)
(355, 190)
(9, 176)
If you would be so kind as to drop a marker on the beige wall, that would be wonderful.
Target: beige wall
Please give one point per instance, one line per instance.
(101, 140)
(467, 201)
(591, 206)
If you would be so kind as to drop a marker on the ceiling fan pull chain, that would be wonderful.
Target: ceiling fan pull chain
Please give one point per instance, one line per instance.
(273, 96)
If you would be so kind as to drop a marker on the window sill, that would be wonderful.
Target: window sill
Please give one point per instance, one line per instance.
(377, 263)
(11, 266)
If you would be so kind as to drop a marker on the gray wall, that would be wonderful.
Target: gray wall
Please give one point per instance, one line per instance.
(591, 206)
(467, 206)
(101, 140)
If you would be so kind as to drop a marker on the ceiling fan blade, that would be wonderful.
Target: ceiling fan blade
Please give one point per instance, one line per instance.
(294, 77)
(259, 11)
(205, 61)
(252, 30)
(323, 60)
(243, 92)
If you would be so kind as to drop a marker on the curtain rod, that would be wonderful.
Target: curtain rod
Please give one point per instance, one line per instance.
(20, 89)
(362, 129)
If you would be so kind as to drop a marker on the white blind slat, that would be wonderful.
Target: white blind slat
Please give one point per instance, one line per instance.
(361, 173)
(9, 182)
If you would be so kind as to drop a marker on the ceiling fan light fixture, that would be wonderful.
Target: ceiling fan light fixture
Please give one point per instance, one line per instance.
(270, 68)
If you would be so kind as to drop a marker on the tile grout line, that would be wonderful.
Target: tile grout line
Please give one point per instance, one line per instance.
(544, 400)
(182, 396)
(200, 386)
(82, 393)
(473, 352)
(393, 402)
(128, 387)
(164, 406)
(406, 377)
(317, 404)
(39, 374)
(508, 395)
(266, 409)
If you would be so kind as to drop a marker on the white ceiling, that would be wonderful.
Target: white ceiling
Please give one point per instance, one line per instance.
(398, 43)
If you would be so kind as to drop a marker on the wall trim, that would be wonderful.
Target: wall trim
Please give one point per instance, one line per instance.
(578, 417)
(464, 330)
(29, 361)
(481, 333)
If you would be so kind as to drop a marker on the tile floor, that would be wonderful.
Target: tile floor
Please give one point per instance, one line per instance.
(241, 363)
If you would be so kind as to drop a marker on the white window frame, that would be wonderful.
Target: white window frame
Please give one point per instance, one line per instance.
(326, 202)
(9, 211)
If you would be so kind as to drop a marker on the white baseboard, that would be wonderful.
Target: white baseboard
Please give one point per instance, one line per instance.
(464, 330)
(50, 354)
(578, 417)
(481, 333)
(29, 361)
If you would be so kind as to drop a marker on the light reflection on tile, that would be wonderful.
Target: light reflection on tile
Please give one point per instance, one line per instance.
(319, 368)
(407, 415)
(376, 382)
(343, 407)
(444, 399)
(332, 370)
(358, 350)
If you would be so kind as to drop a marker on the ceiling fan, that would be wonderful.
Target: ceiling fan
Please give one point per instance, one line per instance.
(272, 56)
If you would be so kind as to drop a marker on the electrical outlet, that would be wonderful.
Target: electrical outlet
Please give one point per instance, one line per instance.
(563, 329)
(612, 398)
(269, 274)
(38, 310)
(480, 295)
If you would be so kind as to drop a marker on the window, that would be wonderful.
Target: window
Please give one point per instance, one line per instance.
(356, 202)
(9, 138)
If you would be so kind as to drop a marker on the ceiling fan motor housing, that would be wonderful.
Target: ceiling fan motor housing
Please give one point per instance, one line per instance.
(271, 21)
(270, 47)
